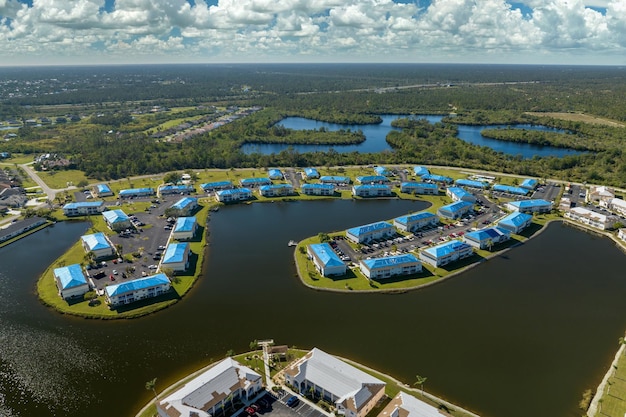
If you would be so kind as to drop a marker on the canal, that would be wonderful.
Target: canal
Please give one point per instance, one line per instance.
(521, 335)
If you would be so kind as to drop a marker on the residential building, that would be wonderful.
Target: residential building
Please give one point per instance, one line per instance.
(176, 257)
(353, 392)
(415, 221)
(420, 171)
(254, 182)
(529, 184)
(405, 405)
(459, 194)
(335, 180)
(116, 219)
(371, 190)
(212, 391)
(591, 218)
(372, 179)
(419, 188)
(99, 244)
(509, 189)
(441, 179)
(486, 238)
(184, 207)
(445, 253)
(621, 233)
(515, 222)
(209, 187)
(276, 190)
(471, 184)
(20, 227)
(169, 189)
(455, 210)
(275, 174)
(102, 190)
(370, 231)
(87, 208)
(70, 281)
(325, 259)
(600, 194)
(318, 189)
(382, 171)
(390, 266)
(137, 289)
(530, 206)
(235, 194)
(136, 192)
(311, 173)
(618, 205)
(185, 228)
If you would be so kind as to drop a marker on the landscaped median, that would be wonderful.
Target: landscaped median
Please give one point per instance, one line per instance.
(97, 308)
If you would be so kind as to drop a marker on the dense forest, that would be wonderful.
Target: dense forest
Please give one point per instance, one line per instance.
(112, 139)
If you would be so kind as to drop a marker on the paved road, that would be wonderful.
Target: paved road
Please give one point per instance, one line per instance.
(50, 192)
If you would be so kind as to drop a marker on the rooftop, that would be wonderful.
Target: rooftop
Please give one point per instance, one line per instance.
(96, 241)
(326, 254)
(414, 217)
(515, 219)
(456, 206)
(390, 261)
(185, 224)
(175, 253)
(367, 228)
(447, 248)
(136, 284)
(70, 276)
(115, 216)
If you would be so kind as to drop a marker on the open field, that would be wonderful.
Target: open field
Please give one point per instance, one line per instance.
(579, 117)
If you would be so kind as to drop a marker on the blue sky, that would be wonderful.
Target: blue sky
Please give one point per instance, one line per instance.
(53, 32)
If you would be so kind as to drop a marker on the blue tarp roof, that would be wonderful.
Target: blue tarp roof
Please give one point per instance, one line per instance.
(460, 193)
(436, 178)
(178, 188)
(421, 171)
(217, 184)
(275, 173)
(471, 183)
(175, 253)
(529, 183)
(414, 217)
(447, 248)
(70, 276)
(390, 261)
(185, 224)
(361, 230)
(372, 187)
(420, 185)
(183, 203)
(137, 284)
(526, 204)
(255, 181)
(320, 186)
(515, 219)
(275, 186)
(456, 206)
(115, 216)
(334, 178)
(372, 178)
(83, 204)
(488, 233)
(96, 241)
(510, 189)
(133, 191)
(326, 254)
(311, 172)
(235, 191)
(103, 188)
(381, 171)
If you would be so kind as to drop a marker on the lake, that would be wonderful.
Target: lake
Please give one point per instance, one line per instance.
(376, 133)
(521, 335)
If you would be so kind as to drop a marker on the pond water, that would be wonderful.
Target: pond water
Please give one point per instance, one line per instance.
(521, 335)
(376, 133)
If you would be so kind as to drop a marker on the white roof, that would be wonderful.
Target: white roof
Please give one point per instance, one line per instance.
(417, 408)
(581, 211)
(217, 381)
(337, 377)
(618, 202)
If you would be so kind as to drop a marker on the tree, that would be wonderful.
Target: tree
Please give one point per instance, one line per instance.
(621, 341)
(254, 345)
(419, 380)
(230, 353)
(323, 237)
(151, 386)
(120, 249)
(489, 244)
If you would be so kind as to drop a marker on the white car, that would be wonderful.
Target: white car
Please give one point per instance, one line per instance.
(152, 267)
(115, 272)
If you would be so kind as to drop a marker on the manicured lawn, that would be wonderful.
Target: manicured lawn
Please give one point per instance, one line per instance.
(613, 401)
(61, 178)
(17, 158)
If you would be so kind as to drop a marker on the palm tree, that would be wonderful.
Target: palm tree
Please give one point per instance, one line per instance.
(120, 249)
(230, 353)
(489, 244)
(621, 341)
(151, 386)
(419, 380)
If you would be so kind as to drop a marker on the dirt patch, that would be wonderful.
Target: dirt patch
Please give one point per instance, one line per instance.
(579, 117)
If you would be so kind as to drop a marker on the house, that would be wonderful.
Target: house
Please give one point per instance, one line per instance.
(471, 184)
(455, 210)
(235, 194)
(137, 289)
(415, 221)
(486, 238)
(390, 266)
(420, 171)
(216, 186)
(515, 222)
(618, 205)
(529, 183)
(99, 244)
(600, 194)
(353, 392)
(405, 405)
(621, 233)
(170, 189)
(276, 190)
(185, 228)
(591, 218)
(419, 188)
(318, 189)
(325, 259)
(184, 207)
(370, 231)
(459, 194)
(441, 179)
(254, 182)
(311, 173)
(335, 180)
(86, 208)
(275, 174)
(445, 253)
(382, 171)
(530, 206)
(372, 179)
(176, 257)
(212, 391)
(102, 190)
(70, 281)
(371, 190)
(136, 192)
(20, 227)
(509, 189)
(116, 219)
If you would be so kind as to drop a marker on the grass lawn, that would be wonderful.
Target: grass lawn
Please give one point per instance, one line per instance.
(60, 179)
(613, 400)
(17, 158)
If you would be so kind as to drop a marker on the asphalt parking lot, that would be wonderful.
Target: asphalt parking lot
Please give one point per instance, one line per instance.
(278, 408)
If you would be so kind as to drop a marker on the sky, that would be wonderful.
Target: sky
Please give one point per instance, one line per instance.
(71, 32)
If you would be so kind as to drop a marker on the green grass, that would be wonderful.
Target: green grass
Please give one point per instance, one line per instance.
(61, 178)
(17, 158)
(613, 400)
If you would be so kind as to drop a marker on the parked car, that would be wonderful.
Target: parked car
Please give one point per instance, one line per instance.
(152, 267)
(250, 411)
(115, 272)
(293, 400)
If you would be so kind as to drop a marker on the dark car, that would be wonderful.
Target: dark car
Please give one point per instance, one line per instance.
(264, 403)
(293, 400)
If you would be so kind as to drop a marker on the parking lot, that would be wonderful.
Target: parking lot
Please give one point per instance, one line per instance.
(301, 408)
